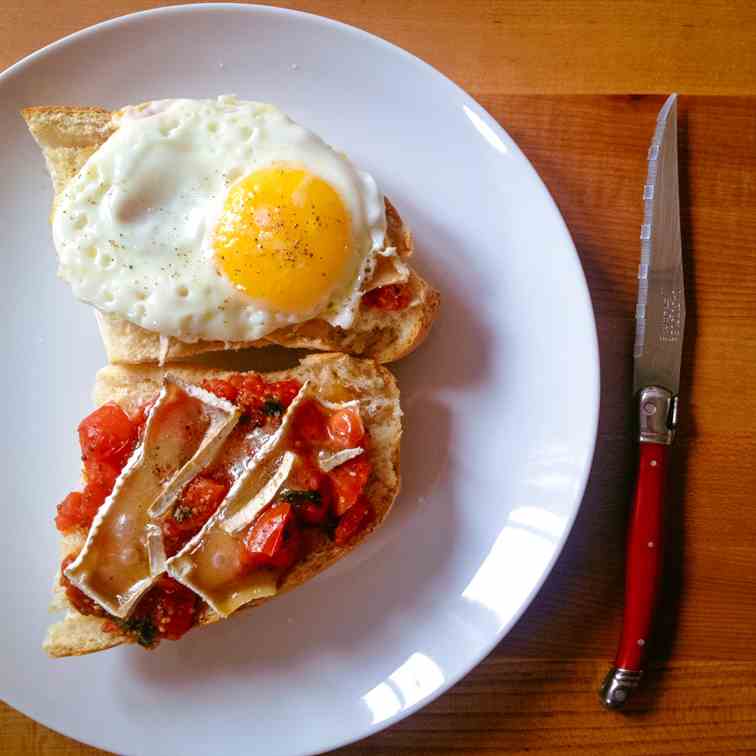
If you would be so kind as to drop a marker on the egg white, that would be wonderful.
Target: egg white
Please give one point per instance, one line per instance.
(134, 228)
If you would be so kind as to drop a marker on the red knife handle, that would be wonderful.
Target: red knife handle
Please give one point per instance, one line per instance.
(644, 556)
(658, 410)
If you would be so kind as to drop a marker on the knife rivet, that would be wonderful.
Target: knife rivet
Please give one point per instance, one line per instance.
(650, 544)
(641, 642)
(653, 463)
(649, 408)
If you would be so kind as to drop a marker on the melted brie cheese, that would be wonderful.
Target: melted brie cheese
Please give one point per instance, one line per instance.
(210, 564)
(123, 554)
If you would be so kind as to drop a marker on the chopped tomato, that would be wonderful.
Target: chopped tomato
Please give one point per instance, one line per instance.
(175, 610)
(256, 395)
(356, 519)
(312, 507)
(77, 510)
(309, 490)
(251, 392)
(102, 474)
(274, 539)
(199, 500)
(310, 425)
(391, 297)
(349, 481)
(345, 428)
(107, 434)
(79, 600)
(306, 475)
(69, 512)
(92, 498)
(284, 391)
(258, 399)
(221, 388)
(168, 610)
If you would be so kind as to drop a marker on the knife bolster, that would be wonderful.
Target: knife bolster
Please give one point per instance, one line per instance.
(657, 415)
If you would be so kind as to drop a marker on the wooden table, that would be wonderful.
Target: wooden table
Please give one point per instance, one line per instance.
(537, 690)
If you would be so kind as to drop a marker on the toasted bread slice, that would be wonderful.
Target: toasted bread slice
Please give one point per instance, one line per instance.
(68, 136)
(334, 377)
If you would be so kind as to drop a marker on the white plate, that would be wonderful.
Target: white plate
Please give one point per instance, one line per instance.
(501, 403)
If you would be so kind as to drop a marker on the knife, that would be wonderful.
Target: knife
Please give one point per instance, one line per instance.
(659, 325)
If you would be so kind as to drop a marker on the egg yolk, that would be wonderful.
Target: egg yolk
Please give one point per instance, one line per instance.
(284, 237)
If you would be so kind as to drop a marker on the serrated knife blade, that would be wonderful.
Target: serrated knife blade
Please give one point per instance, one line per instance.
(660, 309)
(660, 321)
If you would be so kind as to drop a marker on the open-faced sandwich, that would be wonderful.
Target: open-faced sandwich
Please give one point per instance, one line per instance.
(206, 492)
(199, 225)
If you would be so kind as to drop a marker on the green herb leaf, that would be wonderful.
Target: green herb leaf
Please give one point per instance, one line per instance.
(300, 497)
(144, 630)
(272, 407)
(181, 513)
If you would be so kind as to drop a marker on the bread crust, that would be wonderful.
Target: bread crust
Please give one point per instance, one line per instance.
(69, 135)
(335, 377)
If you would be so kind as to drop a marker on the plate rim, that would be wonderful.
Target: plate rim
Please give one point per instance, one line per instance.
(585, 300)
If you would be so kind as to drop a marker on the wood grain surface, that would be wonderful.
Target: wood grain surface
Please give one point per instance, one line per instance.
(537, 691)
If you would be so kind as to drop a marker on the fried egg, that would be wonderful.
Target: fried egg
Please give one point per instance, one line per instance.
(220, 220)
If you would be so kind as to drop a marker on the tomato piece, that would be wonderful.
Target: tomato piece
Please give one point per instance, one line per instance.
(345, 428)
(77, 510)
(168, 610)
(290, 548)
(198, 502)
(309, 492)
(349, 481)
(79, 600)
(92, 498)
(221, 388)
(251, 392)
(274, 539)
(305, 475)
(391, 297)
(356, 519)
(107, 434)
(107, 437)
(101, 474)
(309, 426)
(175, 609)
(69, 512)
(313, 510)
(311, 504)
(258, 399)
(283, 391)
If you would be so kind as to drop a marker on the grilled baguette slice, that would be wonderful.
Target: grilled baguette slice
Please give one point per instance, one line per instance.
(335, 377)
(69, 135)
